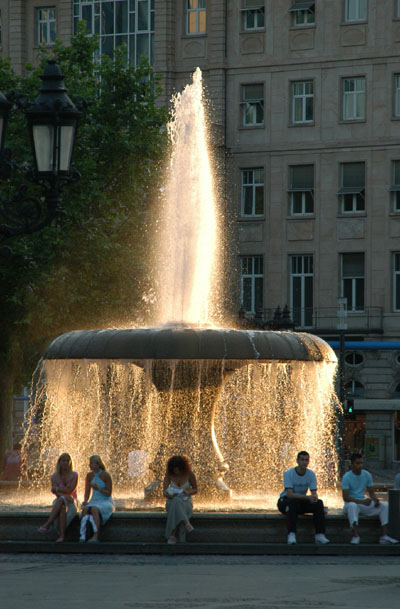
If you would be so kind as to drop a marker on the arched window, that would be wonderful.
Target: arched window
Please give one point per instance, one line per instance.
(398, 359)
(354, 358)
(396, 392)
(354, 389)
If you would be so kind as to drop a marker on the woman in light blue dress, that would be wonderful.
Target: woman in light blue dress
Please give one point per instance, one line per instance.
(179, 486)
(99, 484)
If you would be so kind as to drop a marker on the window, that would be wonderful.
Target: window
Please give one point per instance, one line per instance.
(396, 96)
(396, 282)
(301, 190)
(303, 13)
(353, 281)
(354, 388)
(252, 192)
(395, 189)
(354, 359)
(252, 279)
(196, 16)
(253, 14)
(46, 25)
(302, 289)
(252, 105)
(303, 102)
(397, 8)
(354, 98)
(355, 10)
(352, 191)
(118, 22)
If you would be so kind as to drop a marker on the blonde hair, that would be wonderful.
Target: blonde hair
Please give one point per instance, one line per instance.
(58, 466)
(97, 459)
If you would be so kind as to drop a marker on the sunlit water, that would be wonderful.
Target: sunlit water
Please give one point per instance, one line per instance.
(187, 253)
(265, 412)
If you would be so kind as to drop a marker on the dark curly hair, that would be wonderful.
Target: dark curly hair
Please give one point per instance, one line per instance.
(178, 461)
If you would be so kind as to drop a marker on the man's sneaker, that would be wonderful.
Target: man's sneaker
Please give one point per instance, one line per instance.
(386, 539)
(355, 540)
(321, 539)
(291, 538)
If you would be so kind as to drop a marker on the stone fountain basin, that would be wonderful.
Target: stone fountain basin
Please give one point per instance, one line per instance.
(189, 344)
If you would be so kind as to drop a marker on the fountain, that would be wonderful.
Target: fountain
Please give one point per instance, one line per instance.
(238, 403)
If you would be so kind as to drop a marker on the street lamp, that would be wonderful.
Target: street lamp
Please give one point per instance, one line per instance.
(52, 123)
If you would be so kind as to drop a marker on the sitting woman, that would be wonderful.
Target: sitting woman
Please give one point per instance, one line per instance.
(99, 483)
(179, 486)
(65, 505)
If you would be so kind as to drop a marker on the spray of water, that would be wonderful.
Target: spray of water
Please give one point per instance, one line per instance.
(188, 233)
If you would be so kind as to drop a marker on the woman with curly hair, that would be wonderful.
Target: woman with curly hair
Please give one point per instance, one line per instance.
(65, 506)
(179, 486)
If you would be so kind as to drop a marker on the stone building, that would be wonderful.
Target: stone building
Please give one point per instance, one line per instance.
(305, 100)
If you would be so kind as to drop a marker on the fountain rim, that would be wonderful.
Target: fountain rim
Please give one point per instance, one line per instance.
(188, 343)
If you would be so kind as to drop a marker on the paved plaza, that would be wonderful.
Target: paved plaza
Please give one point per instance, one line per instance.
(33, 581)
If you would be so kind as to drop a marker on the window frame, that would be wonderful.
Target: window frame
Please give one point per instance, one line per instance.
(245, 10)
(354, 94)
(306, 313)
(357, 4)
(48, 22)
(292, 190)
(396, 95)
(395, 188)
(357, 193)
(353, 307)
(303, 97)
(253, 186)
(253, 103)
(306, 12)
(254, 277)
(133, 34)
(197, 11)
(395, 277)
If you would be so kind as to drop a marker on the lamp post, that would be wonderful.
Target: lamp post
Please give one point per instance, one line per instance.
(342, 327)
(52, 123)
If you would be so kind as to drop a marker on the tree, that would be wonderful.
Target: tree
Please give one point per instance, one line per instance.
(88, 269)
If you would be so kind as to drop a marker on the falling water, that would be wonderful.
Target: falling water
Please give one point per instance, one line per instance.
(188, 230)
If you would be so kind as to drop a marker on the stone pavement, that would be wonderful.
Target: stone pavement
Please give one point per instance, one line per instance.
(198, 582)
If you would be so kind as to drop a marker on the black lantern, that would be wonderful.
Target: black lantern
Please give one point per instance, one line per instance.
(52, 120)
(5, 106)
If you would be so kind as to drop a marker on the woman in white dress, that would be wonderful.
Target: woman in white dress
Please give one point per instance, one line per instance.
(179, 486)
(98, 483)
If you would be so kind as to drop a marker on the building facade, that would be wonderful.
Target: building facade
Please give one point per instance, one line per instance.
(306, 102)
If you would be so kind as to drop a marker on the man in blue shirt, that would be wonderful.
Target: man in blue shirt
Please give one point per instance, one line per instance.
(294, 499)
(354, 484)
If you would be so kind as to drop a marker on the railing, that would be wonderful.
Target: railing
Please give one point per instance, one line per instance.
(326, 319)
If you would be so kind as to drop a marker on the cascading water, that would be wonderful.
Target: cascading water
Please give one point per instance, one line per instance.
(249, 400)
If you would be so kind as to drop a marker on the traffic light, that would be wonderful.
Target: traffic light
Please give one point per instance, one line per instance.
(349, 408)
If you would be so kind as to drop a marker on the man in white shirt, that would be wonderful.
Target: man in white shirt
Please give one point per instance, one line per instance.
(294, 499)
(354, 484)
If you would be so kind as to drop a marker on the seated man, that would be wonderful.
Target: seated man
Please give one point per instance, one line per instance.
(354, 484)
(294, 499)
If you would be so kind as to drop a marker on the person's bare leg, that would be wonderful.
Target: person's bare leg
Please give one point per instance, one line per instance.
(62, 522)
(355, 530)
(53, 515)
(96, 517)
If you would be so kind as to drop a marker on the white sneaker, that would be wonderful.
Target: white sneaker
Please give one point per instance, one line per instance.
(291, 538)
(385, 539)
(355, 540)
(321, 539)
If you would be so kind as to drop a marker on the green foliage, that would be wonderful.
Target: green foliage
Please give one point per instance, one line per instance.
(86, 269)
